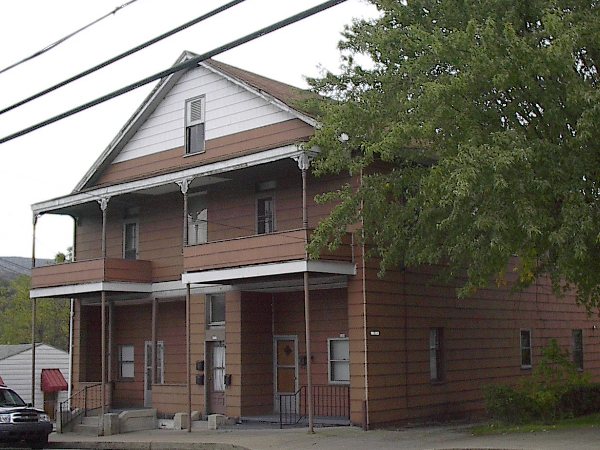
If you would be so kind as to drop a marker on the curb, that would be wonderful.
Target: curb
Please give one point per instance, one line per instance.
(145, 445)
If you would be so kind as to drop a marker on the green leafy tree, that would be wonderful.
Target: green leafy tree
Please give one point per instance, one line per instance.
(52, 316)
(474, 126)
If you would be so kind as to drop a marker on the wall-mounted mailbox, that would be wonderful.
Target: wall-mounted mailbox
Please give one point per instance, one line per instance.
(227, 379)
(200, 380)
(200, 366)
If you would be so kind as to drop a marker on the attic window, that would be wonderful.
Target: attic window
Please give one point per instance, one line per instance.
(194, 125)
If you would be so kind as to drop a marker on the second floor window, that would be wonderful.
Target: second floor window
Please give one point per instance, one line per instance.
(265, 214)
(194, 125)
(197, 219)
(130, 240)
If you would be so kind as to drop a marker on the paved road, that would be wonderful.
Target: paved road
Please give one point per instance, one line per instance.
(342, 438)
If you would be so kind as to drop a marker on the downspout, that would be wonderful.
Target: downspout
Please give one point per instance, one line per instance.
(103, 206)
(70, 386)
(184, 186)
(33, 308)
(364, 286)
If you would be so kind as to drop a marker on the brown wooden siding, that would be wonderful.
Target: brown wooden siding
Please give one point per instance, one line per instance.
(480, 341)
(92, 271)
(238, 144)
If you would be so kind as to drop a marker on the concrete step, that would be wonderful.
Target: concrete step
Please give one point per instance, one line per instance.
(89, 426)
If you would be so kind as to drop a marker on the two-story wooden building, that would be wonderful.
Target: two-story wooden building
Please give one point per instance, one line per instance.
(193, 289)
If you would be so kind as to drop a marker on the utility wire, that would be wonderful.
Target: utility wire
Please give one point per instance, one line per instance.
(123, 55)
(178, 67)
(61, 40)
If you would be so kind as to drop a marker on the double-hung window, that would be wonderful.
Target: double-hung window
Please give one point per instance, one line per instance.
(126, 361)
(130, 239)
(216, 310)
(265, 214)
(526, 349)
(194, 125)
(577, 336)
(197, 225)
(436, 361)
(339, 360)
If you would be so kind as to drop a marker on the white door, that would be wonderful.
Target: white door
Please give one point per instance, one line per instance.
(160, 370)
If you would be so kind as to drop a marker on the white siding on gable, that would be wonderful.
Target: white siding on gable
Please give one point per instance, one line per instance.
(16, 371)
(229, 109)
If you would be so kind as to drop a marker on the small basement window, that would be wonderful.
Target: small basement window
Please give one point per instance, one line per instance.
(194, 125)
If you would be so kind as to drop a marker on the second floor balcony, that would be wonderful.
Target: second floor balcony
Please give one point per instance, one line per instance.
(91, 276)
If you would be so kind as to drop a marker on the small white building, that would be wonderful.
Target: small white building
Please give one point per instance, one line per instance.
(51, 367)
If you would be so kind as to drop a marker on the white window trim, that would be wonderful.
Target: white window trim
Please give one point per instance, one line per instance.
(574, 348)
(137, 236)
(260, 196)
(209, 321)
(329, 361)
(188, 122)
(121, 361)
(437, 352)
(521, 348)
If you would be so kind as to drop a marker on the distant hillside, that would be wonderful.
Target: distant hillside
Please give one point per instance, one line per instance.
(12, 267)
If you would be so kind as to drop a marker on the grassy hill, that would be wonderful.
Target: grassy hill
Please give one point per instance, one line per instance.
(12, 267)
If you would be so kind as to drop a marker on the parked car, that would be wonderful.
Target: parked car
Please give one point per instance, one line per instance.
(20, 422)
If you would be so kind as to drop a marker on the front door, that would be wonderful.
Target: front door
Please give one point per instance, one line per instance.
(285, 366)
(160, 370)
(216, 376)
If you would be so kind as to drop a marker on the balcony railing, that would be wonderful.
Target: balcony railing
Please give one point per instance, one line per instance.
(91, 271)
(258, 249)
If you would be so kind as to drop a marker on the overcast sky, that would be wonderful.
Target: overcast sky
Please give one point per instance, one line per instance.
(49, 162)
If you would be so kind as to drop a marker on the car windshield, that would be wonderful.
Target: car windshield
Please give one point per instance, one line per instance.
(10, 398)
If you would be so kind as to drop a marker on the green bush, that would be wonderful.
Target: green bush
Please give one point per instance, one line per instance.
(554, 390)
(581, 400)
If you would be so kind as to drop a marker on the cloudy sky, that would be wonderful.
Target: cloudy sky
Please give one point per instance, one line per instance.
(49, 162)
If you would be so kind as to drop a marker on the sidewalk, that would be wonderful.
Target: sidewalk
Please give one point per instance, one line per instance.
(334, 438)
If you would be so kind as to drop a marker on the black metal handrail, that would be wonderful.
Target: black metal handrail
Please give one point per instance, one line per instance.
(78, 405)
(328, 401)
(291, 407)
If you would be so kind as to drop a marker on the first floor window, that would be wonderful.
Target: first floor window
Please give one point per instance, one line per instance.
(216, 309)
(525, 349)
(339, 361)
(578, 348)
(435, 354)
(126, 361)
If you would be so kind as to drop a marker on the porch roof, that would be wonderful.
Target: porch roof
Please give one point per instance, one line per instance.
(269, 270)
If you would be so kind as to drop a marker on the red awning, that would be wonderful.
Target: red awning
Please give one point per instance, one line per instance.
(53, 381)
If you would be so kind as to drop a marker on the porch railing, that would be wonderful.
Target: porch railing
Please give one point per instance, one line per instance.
(329, 401)
(291, 407)
(79, 405)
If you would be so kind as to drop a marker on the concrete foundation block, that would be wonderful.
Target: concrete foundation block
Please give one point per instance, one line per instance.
(181, 421)
(110, 423)
(138, 420)
(216, 421)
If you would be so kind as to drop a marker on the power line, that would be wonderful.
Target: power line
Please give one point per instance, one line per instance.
(123, 55)
(61, 40)
(178, 67)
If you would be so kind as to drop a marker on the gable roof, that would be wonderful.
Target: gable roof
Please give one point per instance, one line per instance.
(282, 95)
(6, 351)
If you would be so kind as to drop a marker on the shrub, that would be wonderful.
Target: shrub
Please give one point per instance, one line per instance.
(556, 389)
